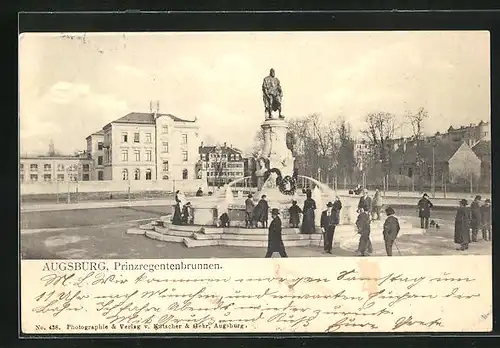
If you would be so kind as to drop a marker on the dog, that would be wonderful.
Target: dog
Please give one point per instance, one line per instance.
(434, 224)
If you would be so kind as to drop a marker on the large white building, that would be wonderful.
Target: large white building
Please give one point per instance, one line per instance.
(145, 146)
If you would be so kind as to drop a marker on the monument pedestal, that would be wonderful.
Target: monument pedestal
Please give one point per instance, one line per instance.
(275, 149)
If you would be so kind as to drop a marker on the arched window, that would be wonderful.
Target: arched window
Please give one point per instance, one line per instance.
(165, 177)
(148, 174)
(125, 174)
(137, 174)
(184, 174)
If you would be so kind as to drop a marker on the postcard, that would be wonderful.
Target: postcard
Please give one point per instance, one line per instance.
(255, 182)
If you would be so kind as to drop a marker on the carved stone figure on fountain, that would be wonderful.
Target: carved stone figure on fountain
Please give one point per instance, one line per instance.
(272, 95)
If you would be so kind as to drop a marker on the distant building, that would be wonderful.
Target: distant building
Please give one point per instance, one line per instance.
(470, 134)
(148, 146)
(55, 168)
(223, 164)
(95, 151)
(362, 150)
(482, 149)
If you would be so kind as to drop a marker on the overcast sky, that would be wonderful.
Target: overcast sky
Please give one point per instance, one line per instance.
(70, 88)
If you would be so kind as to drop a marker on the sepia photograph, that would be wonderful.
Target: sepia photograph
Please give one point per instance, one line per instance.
(255, 182)
(254, 144)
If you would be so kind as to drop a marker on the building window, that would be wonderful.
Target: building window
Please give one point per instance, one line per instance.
(86, 167)
(136, 137)
(100, 145)
(124, 137)
(184, 139)
(47, 177)
(148, 137)
(165, 129)
(60, 167)
(99, 161)
(137, 174)
(165, 166)
(124, 174)
(85, 177)
(165, 177)
(148, 174)
(60, 177)
(34, 177)
(184, 156)
(21, 177)
(137, 155)
(125, 155)
(148, 155)
(184, 174)
(21, 167)
(100, 175)
(47, 167)
(164, 147)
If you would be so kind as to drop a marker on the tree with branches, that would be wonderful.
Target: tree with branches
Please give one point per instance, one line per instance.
(416, 121)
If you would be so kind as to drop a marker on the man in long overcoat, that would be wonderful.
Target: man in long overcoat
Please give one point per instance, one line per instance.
(475, 217)
(424, 207)
(275, 241)
(328, 223)
(365, 203)
(294, 211)
(462, 227)
(249, 206)
(486, 219)
(377, 204)
(391, 230)
(363, 225)
(261, 212)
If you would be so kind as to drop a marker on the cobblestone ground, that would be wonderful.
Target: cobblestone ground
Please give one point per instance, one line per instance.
(84, 234)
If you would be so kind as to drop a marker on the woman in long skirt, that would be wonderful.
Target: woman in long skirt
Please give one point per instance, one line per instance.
(177, 218)
(309, 216)
(462, 226)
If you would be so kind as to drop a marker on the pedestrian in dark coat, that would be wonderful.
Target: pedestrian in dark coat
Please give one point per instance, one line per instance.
(475, 217)
(363, 225)
(249, 206)
(486, 219)
(365, 203)
(294, 212)
(261, 212)
(424, 207)
(275, 241)
(328, 223)
(224, 220)
(308, 218)
(337, 206)
(177, 218)
(391, 230)
(187, 216)
(462, 234)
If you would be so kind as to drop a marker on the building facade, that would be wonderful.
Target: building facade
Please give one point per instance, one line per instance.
(223, 164)
(95, 151)
(150, 146)
(56, 168)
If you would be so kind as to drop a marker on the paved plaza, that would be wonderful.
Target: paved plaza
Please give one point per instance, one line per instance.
(100, 233)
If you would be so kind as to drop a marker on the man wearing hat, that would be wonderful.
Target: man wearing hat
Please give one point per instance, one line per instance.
(462, 226)
(294, 211)
(486, 219)
(475, 217)
(275, 242)
(363, 226)
(391, 230)
(365, 203)
(424, 207)
(328, 222)
(249, 205)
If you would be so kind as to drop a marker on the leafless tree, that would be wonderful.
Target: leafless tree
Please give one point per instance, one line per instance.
(379, 131)
(416, 120)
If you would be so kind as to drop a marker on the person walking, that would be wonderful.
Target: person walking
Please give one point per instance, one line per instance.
(275, 240)
(486, 220)
(308, 217)
(475, 217)
(363, 224)
(462, 227)
(294, 211)
(327, 225)
(365, 203)
(261, 212)
(249, 206)
(391, 230)
(424, 207)
(377, 204)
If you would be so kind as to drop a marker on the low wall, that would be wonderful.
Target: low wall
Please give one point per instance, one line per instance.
(112, 186)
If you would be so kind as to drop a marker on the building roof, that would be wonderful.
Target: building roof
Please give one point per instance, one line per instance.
(224, 149)
(443, 151)
(483, 150)
(53, 158)
(99, 132)
(146, 118)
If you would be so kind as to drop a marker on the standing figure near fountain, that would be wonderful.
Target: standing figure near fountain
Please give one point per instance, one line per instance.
(249, 207)
(272, 94)
(261, 212)
(177, 218)
(308, 225)
(363, 225)
(187, 214)
(294, 212)
(275, 240)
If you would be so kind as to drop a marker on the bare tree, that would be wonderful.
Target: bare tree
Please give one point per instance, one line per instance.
(416, 120)
(346, 159)
(258, 143)
(379, 132)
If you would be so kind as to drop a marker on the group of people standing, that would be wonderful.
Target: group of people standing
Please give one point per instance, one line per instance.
(183, 211)
(468, 222)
